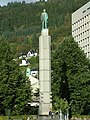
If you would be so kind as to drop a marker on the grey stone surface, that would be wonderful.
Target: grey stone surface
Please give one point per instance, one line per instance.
(56, 117)
(45, 104)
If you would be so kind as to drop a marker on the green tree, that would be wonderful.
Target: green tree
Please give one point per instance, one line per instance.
(15, 92)
(77, 75)
(64, 90)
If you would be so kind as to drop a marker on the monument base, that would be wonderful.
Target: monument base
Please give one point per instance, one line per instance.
(48, 117)
(44, 32)
(44, 117)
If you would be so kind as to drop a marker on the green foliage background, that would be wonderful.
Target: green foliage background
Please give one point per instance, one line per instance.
(69, 63)
(15, 92)
(20, 22)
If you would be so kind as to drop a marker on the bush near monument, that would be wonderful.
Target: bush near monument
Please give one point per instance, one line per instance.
(71, 68)
(15, 90)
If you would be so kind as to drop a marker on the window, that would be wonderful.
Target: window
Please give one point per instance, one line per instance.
(84, 11)
(88, 8)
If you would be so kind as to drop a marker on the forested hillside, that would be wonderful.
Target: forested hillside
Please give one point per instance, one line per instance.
(20, 22)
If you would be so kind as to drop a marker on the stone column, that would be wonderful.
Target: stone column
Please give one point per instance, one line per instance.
(45, 73)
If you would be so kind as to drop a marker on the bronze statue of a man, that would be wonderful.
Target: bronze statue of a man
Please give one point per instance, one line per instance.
(44, 18)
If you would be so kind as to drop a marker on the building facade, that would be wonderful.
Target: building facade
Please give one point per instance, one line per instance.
(81, 28)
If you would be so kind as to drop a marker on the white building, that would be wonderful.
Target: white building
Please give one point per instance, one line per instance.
(24, 63)
(35, 87)
(34, 83)
(81, 28)
(31, 54)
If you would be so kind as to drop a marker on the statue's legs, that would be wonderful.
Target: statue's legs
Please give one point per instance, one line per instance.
(42, 24)
(45, 24)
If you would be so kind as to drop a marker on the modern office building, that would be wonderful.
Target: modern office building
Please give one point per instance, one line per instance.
(81, 28)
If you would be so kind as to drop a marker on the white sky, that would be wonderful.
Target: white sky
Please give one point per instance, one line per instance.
(4, 2)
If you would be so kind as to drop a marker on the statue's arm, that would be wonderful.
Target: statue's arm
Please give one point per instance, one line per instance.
(41, 17)
(46, 16)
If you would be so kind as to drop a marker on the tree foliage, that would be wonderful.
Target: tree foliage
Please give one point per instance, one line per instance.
(71, 76)
(15, 93)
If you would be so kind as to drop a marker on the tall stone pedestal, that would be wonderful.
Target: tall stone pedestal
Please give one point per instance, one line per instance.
(45, 73)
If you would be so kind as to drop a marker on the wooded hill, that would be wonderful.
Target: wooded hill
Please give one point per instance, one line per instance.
(20, 22)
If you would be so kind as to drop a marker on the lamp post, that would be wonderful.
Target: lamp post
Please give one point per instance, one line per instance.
(60, 115)
(67, 114)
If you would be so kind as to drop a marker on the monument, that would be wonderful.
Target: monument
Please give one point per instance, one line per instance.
(45, 104)
(44, 19)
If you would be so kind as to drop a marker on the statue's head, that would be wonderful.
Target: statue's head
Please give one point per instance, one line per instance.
(44, 10)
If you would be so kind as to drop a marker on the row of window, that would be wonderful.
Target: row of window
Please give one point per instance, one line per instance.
(86, 47)
(84, 44)
(86, 9)
(84, 25)
(81, 21)
(84, 41)
(79, 32)
(88, 54)
(80, 28)
(86, 50)
(83, 35)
